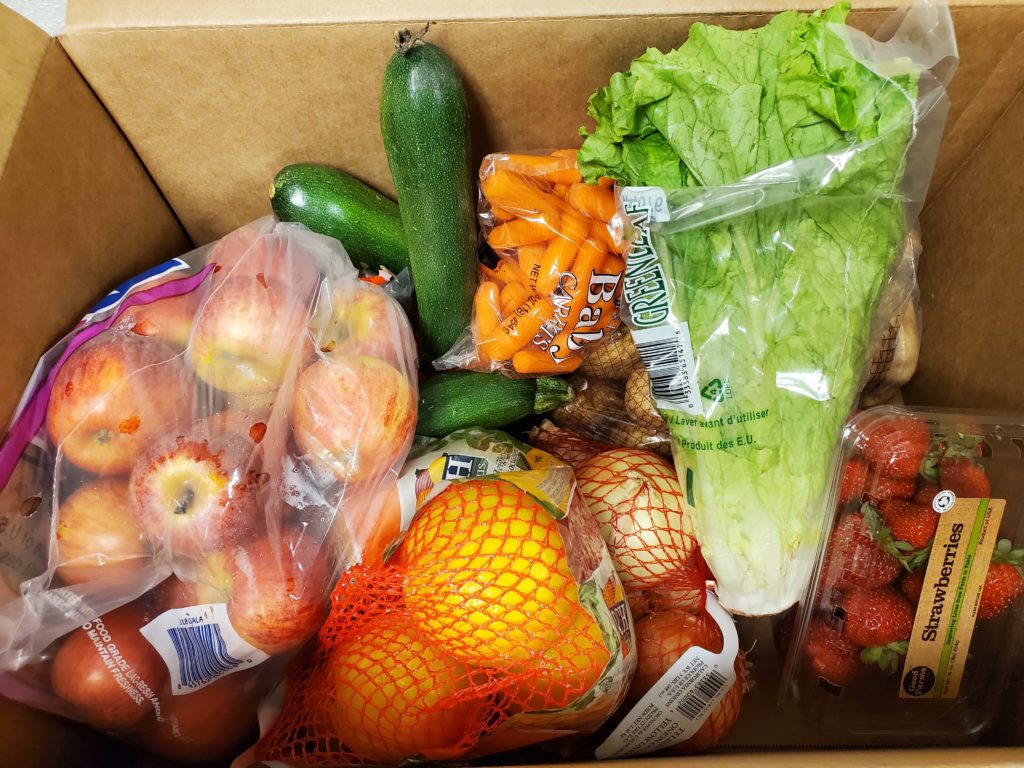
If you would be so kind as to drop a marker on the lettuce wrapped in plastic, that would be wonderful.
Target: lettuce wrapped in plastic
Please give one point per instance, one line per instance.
(780, 166)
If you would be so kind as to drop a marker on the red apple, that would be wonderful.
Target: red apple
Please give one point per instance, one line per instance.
(210, 723)
(168, 319)
(247, 334)
(354, 416)
(97, 535)
(279, 596)
(265, 248)
(109, 671)
(198, 495)
(174, 593)
(113, 396)
(363, 320)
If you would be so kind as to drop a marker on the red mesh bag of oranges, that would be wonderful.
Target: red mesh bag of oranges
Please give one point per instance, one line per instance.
(495, 622)
(551, 277)
(188, 471)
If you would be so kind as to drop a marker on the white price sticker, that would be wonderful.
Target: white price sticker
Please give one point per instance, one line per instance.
(199, 646)
(679, 703)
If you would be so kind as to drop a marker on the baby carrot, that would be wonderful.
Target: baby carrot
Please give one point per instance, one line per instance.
(517, 329)
(500, 214)
(532, 361)
(590, 258)
(518, 194)
(558, 258)
(593, 201)
(518, 232)
(485, 308)
(561, 190)
(574, 228)
(600, 234)
(606, 182)
(555, 169)
(530, 259)
(512, 295)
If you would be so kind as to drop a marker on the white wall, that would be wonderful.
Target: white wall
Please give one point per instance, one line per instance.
(48, 14)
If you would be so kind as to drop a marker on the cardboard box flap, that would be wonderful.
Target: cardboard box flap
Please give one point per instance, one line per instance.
(20, 55)
(117, 14)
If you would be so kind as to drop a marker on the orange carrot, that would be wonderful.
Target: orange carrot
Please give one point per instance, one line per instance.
(518, 195)
(606, 182)
(600, 234)
(550, 169)
(517, 329)
(533, 361)
(530, 259)
(561, 190)
(574, 228)
(485, 309)
(512, 295)
(519, 232)
(501, 215)
(565, 153)
(590, 258)
(592, 201)
(558, 258)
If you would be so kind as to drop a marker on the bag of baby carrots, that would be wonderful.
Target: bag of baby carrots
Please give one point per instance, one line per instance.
(551, 271)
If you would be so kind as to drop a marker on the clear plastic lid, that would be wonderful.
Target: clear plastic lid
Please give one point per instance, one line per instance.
(910, 629)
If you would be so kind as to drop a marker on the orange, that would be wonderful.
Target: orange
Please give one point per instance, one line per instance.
(565, 671)
(393, 698)
(487, 577)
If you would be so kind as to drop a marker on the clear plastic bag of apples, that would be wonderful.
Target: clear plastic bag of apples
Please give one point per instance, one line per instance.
(185, 476)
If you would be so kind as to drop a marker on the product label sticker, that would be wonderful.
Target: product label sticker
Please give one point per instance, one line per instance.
(650, 201)
(959, 560)
(645, 289)
(682, 700)
(199, 646)
(667, 353)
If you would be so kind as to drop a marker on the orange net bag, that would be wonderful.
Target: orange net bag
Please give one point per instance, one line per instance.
(497, 622)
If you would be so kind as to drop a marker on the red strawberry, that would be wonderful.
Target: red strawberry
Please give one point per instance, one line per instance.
(891, 488)
(1004, 582)
(926, 493)
(910, 524)
(913, 523)
(964, 478)
(831, 655)
(876, 617)
(855, 480)
(911, 585)
(853, 559)
(897, 446)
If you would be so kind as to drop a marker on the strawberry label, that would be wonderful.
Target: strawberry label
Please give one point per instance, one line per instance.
(682, 700)
(948, 607)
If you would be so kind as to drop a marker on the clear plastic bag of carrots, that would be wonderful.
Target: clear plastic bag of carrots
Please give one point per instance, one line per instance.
(551, 274)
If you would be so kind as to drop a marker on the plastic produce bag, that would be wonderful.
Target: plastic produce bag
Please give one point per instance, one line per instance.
(551, 279)
(189, 469)
(753, 289)
(496, 622)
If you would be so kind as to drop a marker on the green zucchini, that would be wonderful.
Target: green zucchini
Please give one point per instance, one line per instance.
(461, 399)
(332, 203)
(425, 125)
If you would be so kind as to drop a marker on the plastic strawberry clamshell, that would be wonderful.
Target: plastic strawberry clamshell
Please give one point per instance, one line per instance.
(910, 628)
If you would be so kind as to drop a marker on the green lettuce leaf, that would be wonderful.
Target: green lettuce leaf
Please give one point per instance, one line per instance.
(778, 295)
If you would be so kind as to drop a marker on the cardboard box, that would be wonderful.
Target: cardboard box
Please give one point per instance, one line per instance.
(151, 124)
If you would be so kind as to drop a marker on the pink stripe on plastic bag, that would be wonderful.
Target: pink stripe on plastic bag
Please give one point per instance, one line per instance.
(31, 418)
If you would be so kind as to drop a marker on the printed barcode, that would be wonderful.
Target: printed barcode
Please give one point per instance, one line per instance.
(693, 703)
(202, 654)
(670, 381)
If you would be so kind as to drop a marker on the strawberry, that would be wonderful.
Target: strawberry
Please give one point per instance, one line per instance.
(964, 478)
(1004, 582)
(897, 446)
(891, 488)
(911, 585)
(831, 655)
(926, 493)
(854, 559)
(912, 523)
(879, 620)
(855, 480)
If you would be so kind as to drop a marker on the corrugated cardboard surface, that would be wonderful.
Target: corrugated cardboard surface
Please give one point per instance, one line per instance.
(23, 47)
(120, 14)
(76, 206)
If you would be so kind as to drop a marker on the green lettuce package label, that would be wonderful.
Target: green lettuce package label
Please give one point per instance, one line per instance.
(765, 203)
